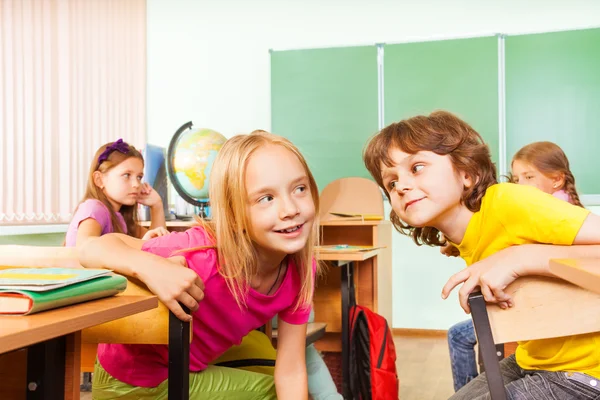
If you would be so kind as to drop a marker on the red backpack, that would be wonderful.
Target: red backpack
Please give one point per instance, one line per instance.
(373, 373)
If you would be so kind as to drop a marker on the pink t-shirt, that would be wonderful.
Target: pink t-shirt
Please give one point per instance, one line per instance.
(561, 194)
(218, 323)
(95, 209)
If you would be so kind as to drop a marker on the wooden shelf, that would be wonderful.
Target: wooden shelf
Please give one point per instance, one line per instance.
(348, 255)
(341, 222)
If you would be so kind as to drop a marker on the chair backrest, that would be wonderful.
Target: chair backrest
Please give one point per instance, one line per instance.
(351, 195)
(543, 308)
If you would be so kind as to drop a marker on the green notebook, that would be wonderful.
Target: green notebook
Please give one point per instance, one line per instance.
(42, 279)
(23, 302)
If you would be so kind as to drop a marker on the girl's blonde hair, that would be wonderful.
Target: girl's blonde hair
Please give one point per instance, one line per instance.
(230, 227)
(443, 133)
(550, 159)
(92, 191)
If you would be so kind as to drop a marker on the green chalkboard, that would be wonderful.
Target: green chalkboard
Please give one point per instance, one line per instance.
(553, 93)
(325, 102)
(459, 75)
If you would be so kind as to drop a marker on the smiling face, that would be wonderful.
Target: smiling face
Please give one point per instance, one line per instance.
(281, 209)
(122, 183)
(424, 188)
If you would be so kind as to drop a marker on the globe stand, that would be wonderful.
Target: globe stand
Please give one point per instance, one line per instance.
(203, 209)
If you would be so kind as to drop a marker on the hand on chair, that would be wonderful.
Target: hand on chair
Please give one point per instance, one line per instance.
(492, 274)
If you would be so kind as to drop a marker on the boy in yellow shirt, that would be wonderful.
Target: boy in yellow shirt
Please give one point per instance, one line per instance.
(439, 178)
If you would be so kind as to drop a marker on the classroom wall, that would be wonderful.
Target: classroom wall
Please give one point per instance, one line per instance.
(208, 62)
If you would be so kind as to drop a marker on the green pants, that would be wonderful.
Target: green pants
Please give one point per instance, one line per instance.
(217, 383)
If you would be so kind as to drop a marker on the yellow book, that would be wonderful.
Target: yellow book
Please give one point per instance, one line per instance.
(358, 216)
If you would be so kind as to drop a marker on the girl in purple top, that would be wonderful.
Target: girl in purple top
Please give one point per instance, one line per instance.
(545, 166)
(252, 261)
(113, 192)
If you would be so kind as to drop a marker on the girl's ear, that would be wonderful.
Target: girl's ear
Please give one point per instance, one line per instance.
(98, 179)
(558, 181)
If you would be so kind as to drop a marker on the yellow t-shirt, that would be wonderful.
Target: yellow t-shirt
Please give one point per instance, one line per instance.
(516, 214)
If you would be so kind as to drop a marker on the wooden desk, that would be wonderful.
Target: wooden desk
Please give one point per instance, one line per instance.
(49, 343)
(372, 276)
(347, 260)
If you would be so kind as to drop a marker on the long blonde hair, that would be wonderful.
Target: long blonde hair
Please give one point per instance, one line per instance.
(92, 191)
(230, 227)
(550, 159)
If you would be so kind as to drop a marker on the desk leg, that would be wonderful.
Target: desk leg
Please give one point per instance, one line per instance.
(46, 370)
(348, 299)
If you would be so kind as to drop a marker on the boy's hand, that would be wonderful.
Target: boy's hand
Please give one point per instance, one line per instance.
(156, 232)
(173, 282)
(492, 274)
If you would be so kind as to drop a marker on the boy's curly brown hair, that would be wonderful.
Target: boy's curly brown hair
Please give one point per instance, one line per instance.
(444, 134)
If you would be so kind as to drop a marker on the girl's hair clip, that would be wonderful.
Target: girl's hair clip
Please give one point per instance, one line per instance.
(119, 145)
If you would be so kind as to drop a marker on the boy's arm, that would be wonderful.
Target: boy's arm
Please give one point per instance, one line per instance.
(494, 273)
(291, 381)
(535, 258)
(169, 279)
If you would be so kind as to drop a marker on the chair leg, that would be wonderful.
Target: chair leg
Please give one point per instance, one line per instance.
(179, 357)
(486, 346)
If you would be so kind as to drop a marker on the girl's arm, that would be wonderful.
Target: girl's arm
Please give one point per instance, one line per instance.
(291, 381)
(157, 216)
(88, 228)
(494, 273)
(169, 279)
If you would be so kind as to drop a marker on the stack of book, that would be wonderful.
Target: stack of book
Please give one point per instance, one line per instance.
(30, 290)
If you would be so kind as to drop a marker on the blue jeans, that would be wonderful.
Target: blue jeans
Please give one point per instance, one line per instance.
(461, 343)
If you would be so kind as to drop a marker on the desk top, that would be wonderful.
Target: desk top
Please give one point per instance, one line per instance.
(20, 331)
(348, 255)
(177, 223)
(583, 272)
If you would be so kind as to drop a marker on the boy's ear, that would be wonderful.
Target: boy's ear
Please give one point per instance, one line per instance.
(97, 178)
(467, 180)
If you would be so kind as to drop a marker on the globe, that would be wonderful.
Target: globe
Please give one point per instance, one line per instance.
(190, 157)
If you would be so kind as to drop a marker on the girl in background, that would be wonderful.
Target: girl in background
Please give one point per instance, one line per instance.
(114, 189)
